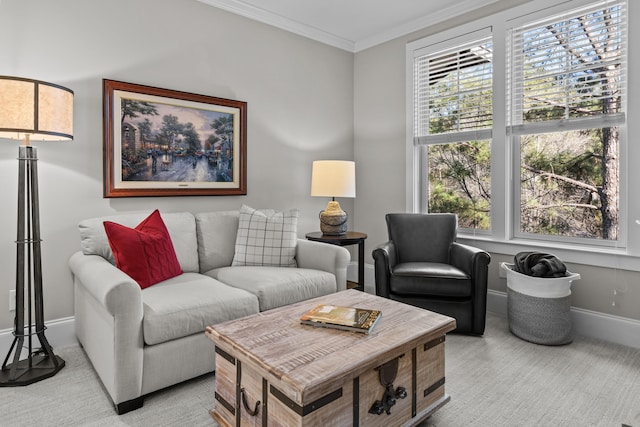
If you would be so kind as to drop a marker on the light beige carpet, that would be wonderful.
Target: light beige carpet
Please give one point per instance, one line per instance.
(501, 380)
(495, 380)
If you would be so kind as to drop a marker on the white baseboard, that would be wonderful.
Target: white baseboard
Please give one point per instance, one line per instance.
(607, 327)
(59, 333)
(615, 329)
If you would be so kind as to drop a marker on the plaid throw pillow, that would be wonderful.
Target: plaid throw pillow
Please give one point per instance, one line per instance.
(266, 238)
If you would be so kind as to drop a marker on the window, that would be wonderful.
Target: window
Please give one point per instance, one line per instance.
(566, 85)
(533, 108)
(453, 107)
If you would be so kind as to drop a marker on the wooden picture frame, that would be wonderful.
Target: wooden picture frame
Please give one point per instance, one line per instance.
(161, 142)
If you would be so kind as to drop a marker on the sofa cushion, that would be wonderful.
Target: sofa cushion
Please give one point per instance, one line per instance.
(145, 252)
(186, 304)
(216, 238)
(181, 226)
(277, 286)
(266, 237)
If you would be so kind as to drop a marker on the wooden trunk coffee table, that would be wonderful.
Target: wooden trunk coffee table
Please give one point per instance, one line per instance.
(272, 370)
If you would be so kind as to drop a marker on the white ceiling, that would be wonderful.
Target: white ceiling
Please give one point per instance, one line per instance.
(352, 25)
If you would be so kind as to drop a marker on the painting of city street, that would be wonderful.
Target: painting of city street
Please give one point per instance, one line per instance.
(159, 142)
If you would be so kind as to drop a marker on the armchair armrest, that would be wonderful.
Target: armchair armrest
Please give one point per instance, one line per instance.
(384, 257)
(108, 320)
(473, 261)
(326, 257)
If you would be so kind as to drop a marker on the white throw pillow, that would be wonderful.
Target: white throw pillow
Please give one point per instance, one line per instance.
(266, 237)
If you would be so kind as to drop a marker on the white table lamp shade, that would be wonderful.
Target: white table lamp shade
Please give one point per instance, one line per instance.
(333, 178)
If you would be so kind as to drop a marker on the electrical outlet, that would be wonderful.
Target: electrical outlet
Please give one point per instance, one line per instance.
(12, 300)
(501, 272)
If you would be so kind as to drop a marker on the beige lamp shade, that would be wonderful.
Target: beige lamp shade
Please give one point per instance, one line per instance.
(35, 110)
(333, 178)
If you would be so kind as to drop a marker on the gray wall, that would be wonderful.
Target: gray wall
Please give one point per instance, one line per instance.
(380, 120)
(300, 108)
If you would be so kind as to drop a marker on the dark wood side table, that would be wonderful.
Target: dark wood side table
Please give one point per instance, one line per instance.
(349, 238)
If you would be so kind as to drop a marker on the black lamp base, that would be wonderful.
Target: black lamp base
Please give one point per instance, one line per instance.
(41, 367)
(43, 363)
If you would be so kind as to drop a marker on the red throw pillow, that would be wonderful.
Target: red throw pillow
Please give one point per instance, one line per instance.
(146, 252)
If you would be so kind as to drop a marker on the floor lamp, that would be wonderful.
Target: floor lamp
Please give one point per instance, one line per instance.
(31, 110)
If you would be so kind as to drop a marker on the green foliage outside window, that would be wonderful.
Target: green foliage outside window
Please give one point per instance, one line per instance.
(460, 182)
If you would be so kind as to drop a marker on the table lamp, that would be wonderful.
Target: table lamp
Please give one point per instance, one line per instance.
(333, 178)
(31, 110)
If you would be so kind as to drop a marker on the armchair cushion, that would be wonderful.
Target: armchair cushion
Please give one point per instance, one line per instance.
(145, 252)
(429, 270)
(444, 280)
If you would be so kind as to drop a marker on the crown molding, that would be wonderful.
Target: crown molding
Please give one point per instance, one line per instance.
(241, 8)
(422, 22)
(261, 15)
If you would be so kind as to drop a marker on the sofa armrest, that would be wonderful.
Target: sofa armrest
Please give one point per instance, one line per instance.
(108, 320)
(326, 257)
(111, 287)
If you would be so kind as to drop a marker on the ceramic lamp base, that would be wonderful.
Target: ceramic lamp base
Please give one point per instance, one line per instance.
(333, 220)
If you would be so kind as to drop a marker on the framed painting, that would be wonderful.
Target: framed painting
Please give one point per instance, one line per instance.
(160, 142)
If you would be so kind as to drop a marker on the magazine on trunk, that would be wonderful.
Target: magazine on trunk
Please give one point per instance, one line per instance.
(340, 317)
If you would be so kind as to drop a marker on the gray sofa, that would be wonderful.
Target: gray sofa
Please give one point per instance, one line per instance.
(140, 341)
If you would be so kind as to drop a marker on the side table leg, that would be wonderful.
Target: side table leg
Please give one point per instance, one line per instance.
(361, 265)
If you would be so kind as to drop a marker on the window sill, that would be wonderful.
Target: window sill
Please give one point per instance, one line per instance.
(586, 255)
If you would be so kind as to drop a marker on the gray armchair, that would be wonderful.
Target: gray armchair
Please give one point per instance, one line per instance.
(423, 265)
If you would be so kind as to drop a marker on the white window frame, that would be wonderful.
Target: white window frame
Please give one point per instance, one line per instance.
(517, 129)
(624, 253)
(423, 142)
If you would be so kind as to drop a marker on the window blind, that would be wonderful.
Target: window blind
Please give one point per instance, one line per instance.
(568, 71)
(453, 93)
